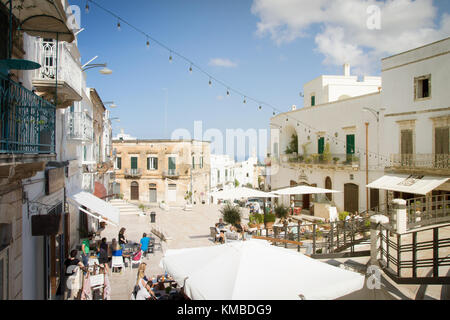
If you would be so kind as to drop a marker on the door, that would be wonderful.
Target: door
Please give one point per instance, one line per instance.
(350, 147)
(172, 165)
(406, 147)
(374, 198)
(328, 186)
(134, 191)
(351, 197)
(134, 164)
(153, 193)
(172, 193)
(321, 145)
(441, 147)
(4, 260)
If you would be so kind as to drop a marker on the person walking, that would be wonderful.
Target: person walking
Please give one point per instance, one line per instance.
(122, 239)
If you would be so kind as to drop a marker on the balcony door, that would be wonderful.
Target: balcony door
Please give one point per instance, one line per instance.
(134, 164)
(406, 146)
(441, 141)
(172, 165)
(134, 191)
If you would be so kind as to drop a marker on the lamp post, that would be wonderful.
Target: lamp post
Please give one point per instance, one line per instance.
(110, 103)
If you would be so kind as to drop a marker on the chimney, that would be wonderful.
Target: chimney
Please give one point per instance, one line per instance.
(346, 70)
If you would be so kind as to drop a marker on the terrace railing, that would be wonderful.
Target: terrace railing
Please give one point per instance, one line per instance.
(133, 172)
(426, 211)
(342, 160)
(79, 126)
(428, 161)
(27, 123)
(416, 257)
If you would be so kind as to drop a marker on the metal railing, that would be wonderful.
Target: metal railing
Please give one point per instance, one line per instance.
(430, 161)
(171, 173)
(69, 69)
(88, 182)
(404, 256)
(426, 211)
(79, 126)
(27, 121)
(133, 172)
(322, 159)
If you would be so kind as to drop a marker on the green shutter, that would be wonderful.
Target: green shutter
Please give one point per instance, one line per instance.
(133, 162)
(155, 163)
(350, 144)
(313, 100)
(172, 163)
(148, 163)
(321, 145)
(119, 163)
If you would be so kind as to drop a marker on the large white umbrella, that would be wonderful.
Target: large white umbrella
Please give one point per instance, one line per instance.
(233, 272)
(303, 190)
(241, 192)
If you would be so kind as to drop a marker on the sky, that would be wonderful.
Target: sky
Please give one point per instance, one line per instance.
(266, 49)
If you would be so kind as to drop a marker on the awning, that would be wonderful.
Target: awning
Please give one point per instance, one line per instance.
(303, 190)
(96, 207)
(408, 183)
(42, 18)
(241, 192)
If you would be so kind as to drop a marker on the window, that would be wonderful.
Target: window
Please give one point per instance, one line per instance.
(422, 87)
(134, 162)
(4, 272)
(193, 162)
(321, 145)
(152, 163)
(350, 144)
(119, 163)
(218, 176)
(313, 100)
(172, 165)
(226, 174)
(201, 162)
(85, 153)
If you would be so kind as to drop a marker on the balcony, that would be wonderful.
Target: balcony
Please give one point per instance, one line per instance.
(133, 173)
(79, 126)
(69, 73)
(88, 182)
(422, 163)
(27, 122)
(331, 160)
(171, 173)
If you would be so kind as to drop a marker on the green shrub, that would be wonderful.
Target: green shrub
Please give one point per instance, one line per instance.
(281, 212)
(269, 218)
(343, 215)
(231, 214)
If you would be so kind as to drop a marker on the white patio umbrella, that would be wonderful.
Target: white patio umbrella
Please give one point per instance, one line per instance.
(241, 192)
(303, 190)
(233, 272)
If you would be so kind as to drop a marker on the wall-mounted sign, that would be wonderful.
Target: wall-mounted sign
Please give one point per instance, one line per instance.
(54, 180)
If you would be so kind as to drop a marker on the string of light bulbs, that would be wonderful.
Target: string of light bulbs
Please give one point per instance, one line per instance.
(229, 89)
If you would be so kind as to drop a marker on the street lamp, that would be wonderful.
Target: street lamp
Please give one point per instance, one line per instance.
(105, 70)
(115, 118)
(111, 103)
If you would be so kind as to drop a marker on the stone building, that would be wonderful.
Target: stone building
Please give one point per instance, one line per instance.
(153, 172)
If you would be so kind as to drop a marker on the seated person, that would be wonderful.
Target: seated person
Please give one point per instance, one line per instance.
(221, 224)
(144, 243)
(146, 293)
(220, 234)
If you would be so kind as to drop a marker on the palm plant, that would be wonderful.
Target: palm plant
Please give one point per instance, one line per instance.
(281, 212)
(231, 214)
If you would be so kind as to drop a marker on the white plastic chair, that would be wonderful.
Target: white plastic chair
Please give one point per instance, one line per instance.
(117, 262)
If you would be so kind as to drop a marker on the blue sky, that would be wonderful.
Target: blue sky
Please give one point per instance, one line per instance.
(265, 68)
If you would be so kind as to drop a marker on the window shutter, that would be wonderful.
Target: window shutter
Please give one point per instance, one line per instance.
(148, 163)
(321, 145)
(406, 142)
(119, 163)
(442, 140)
(155, 163)
(133, 162)
(350, 144)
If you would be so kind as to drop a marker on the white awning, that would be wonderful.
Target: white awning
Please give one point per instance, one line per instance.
(241, 192)
(97, 207)
(408, 183)
(303, 190)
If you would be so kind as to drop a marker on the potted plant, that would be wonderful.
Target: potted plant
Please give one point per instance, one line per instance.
(231, 214)
(281, 212)
(252, 221)
(269, 220)
(335, 160)
(343, 215)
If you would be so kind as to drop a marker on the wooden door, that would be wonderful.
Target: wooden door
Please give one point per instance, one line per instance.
(441, 150)
(374, 198)
(351, 197)
(134, 191)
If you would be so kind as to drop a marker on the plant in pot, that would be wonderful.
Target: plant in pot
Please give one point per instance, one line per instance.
(231, 214)
(335, 160)
(252, 221)
(281, 212)
(269, 220)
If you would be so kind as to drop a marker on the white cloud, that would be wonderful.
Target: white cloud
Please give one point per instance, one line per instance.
(219, 97)
(340, 27)
(220, 62)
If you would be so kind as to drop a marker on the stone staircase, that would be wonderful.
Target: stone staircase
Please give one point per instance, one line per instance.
(125, 207)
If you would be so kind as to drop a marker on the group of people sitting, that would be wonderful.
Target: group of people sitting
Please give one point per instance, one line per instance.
(145, 287)
(222, 230)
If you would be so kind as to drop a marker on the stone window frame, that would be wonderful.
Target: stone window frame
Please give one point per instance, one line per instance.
(152, 156)
(416, 83)
(406, 125)
(438, 122)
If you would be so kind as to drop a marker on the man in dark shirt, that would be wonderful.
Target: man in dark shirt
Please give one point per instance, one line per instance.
(71, 264)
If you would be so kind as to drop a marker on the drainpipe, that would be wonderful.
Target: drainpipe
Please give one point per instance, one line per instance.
(367, 165)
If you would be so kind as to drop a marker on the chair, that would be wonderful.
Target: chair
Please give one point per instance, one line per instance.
(138, 262)
(213, 233)
(117, 262)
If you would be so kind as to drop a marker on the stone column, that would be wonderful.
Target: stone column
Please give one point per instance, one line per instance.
(375, 220)
(401, 217)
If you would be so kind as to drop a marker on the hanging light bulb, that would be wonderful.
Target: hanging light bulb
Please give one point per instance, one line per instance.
(87, 7)
(190, 69)
(245, 100)
(298, 124)
(274, 113)
(210, 83)
(228, 92)
(118, 25)
(148, 43)
(259, 107)
(287, 119)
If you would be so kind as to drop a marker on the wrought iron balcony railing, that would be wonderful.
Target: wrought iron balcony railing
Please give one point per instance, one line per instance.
(27, 122)
(428, 161)
(133, 172)
(171, 173)
(322, 159)
(79, 126)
